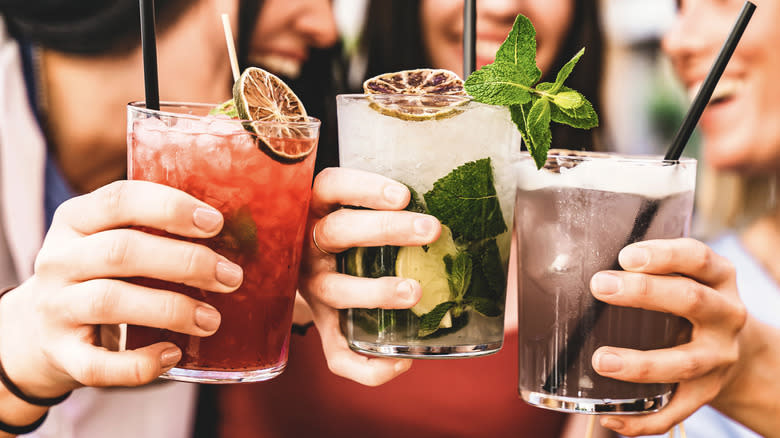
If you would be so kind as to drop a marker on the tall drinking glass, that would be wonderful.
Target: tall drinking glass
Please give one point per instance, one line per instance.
(459, 167)
(264, 201)
(572, 219)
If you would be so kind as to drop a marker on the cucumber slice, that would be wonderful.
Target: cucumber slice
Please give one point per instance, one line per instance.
(428, 268)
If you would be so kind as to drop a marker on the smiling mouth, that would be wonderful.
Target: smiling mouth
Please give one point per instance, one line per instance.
(282, 65)
(487, 49)
(725, 90)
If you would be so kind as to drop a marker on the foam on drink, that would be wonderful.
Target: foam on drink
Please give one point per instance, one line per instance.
(599, 171)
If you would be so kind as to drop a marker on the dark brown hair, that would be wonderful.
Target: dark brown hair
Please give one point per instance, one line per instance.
(392, 41)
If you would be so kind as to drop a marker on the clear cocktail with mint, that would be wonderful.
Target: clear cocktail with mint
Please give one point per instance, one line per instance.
(456, 156)
(261, 182)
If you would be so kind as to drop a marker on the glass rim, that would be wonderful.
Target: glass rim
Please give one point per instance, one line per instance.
(577, 155)
(140, 107)
(454, 97)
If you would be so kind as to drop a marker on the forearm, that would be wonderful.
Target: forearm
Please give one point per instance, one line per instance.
(15, 412)
(751, 398)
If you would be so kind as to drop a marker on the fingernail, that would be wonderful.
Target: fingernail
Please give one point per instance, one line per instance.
(405, 290)
(609, 362)
(229, 274)
(169, 357)
(612, 423)
(605, 283)
(632, 257)
(425, 226)
(207, 318)
(395, 194)
(207, 219)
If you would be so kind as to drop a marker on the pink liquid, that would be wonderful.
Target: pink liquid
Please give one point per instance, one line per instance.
(265, 204)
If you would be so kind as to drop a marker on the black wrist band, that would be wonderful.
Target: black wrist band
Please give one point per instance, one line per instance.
(13, 389)
(301, 329)
(21, 430)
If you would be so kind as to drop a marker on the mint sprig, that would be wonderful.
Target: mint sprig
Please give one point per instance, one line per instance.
(227, 108)
(512, 81)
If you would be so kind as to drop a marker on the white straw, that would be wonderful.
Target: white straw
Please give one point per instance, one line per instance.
(231, 46)
(682, 430)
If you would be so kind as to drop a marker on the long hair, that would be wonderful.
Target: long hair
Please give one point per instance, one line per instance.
(731, 200)
(85, 27)
(392, 41)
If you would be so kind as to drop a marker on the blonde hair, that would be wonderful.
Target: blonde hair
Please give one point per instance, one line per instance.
(729, 200)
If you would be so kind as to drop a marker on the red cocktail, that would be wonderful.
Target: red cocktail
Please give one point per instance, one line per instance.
(264, 198)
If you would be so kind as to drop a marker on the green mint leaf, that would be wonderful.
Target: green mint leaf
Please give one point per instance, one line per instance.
(500, 83)
(488, 278)
(566, 70)
(568, 100)
(581, 117)
(490, 262)
(429, 322)
(458, 273)
(519, 114)
(519, 48)
(486, 307)
(416, 203)
(227, 108)
(538, 123)
(465, 200)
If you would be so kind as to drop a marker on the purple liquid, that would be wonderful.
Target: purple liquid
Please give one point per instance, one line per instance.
(565, 236)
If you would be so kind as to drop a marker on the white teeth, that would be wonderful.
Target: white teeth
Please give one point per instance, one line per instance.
(726, 88)
(487, 49)
(282, 65)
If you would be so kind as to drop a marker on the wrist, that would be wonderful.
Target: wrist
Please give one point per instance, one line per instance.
(749, 395)
(20, 379)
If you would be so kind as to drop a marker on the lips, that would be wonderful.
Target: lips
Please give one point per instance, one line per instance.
(286, 66)
(726, 89)
(487, 49)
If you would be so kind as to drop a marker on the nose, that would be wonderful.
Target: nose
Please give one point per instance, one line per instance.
(498, 10)
(319, 24)
(690, 35)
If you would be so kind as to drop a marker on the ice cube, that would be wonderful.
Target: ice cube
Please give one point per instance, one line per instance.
(586, 382)
(207, 143)
(179, 139)
(560, 264)
(223, 127)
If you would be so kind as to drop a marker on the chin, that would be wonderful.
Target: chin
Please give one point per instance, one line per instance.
(729, 157)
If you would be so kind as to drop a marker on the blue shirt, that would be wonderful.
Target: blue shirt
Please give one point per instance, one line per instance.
(56, 189)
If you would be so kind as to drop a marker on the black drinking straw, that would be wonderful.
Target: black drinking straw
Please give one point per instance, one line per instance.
(469, 37)
(649, 208)
(705, 92)
(149, 48)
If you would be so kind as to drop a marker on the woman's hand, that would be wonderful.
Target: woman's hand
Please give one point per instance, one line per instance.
(337, 229)
(686, 278)
(58, 329)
